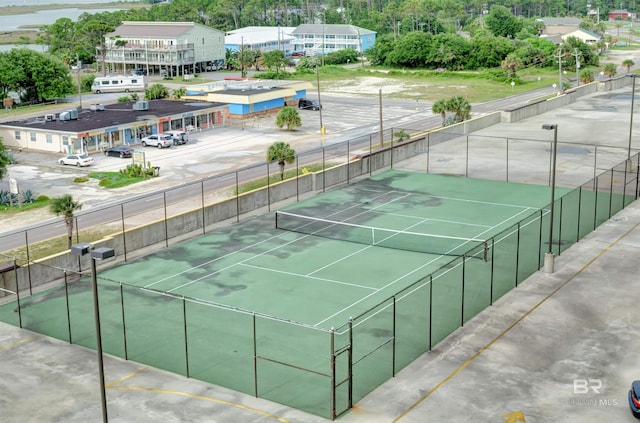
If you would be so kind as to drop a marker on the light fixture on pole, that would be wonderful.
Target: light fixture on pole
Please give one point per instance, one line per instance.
(633, 96)
(96, 254)
(549, 257)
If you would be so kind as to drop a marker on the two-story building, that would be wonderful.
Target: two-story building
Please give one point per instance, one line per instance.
(261, 38)
(320, 39)
(162, 48)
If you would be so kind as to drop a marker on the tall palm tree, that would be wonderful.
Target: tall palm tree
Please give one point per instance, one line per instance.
(460, 106)
(65, 206)
(282, 153)
(628, 63)
(440, 107)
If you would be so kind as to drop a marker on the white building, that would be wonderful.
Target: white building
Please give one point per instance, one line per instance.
(261, 38)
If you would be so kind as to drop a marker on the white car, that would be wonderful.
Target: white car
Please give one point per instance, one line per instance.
(157, 140)
(77, 160)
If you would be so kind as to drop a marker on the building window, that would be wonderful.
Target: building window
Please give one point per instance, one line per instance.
(49, 139)
(33, 136)
(18, 135)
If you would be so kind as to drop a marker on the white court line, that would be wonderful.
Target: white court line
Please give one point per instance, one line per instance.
(465, 200)
(235, 252)
(310, 277)
(408, 274)
(430, 219)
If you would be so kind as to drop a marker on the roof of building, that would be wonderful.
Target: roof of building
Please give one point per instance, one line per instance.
(258, 34)
(588, 34)
(144, 29)
(337, 29)
(113, 115)
(561, 21)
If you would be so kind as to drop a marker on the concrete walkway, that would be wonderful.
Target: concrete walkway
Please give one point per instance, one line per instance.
(558, 348)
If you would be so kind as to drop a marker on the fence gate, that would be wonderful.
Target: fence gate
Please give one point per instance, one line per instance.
(341, 373)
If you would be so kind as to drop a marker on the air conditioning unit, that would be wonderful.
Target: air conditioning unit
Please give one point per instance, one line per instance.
(73, 114)
(65, 116)
(97, 107)
(49, 117)
(141, 105)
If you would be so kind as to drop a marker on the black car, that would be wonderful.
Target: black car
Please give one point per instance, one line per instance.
(309, 104)
(119, 151)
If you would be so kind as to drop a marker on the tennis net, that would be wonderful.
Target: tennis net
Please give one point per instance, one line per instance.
(380, 237)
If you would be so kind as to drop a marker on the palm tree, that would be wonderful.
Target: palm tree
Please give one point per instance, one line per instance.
(282, 153)
(440, 107)
(65, 206)
(289, 117)
(610, 69)
(460, 106)
(511, 64)
(628, 63)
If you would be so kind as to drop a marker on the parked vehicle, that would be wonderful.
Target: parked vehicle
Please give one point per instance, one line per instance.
(138, 72)
(118, 83)
(179, 137)
(77, 160)
(634, 398)
(121, 151)
(157, 140)
(309, 104)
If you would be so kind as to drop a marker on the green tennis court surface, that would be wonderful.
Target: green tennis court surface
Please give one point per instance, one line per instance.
(368, 269)
(321, 281)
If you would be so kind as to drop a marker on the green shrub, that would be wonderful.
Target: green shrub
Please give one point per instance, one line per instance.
(81, 179)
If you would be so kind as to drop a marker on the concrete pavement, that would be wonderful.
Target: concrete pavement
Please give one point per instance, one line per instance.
(558, 348)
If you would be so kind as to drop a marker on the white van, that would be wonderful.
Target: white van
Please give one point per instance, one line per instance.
(118, 83)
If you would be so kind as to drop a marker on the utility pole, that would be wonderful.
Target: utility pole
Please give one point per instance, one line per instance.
(559, 56)
(576, 54)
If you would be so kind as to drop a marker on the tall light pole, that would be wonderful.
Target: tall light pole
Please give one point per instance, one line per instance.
(633, 96)
(549, 257)
(96, 254)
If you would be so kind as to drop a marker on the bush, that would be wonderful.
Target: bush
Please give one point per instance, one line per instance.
(81, 179)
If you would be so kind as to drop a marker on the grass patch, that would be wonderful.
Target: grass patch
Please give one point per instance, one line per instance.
(275, 177)
(116, 179)
(51, 246)
(8, 210)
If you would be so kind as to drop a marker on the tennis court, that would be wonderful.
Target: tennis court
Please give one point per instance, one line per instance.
(317, 304)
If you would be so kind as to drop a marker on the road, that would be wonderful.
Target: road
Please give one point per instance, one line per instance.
(214, 157)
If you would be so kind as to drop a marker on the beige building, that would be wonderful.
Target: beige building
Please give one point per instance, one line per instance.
(159, 48)
(585, 36)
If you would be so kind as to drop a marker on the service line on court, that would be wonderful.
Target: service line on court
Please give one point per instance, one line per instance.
(150, 285)
(412, 272)
(307, 276)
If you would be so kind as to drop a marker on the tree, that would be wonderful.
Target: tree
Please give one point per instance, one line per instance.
(460, 107)
(502, 23)
(5, 159)
(586, 76)
(610, 69)
(440, 107)
(282, 153)
(66, 206)
(628, 63)
(34, 76)
(156, 91)
(511, 64)
(288, 116)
